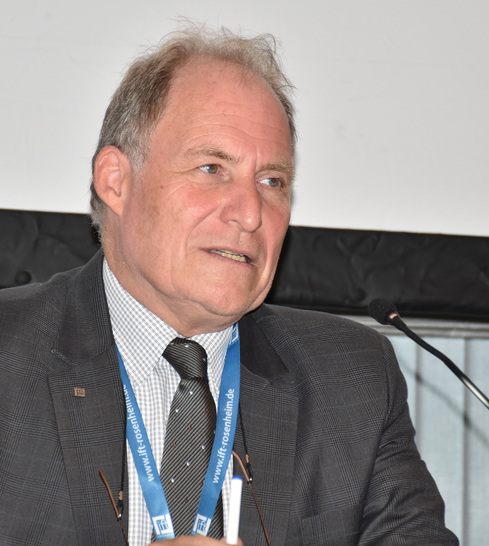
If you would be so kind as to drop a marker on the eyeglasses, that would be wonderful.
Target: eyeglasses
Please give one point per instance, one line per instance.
(248, 476)
(119, 507)
(245, 469)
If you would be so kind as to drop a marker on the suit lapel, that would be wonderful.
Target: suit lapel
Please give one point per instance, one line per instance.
(269, 411)
(89, 407)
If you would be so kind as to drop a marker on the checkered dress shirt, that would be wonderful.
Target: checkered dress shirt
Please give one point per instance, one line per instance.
(141, 338)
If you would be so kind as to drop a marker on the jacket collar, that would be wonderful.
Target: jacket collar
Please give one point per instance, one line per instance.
(85, 331)
(257, 352)
(269, 410)
(89, 405)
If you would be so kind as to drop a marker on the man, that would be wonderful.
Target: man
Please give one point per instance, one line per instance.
(191, 193)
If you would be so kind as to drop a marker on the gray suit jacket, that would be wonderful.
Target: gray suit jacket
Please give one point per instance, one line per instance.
(324, 411)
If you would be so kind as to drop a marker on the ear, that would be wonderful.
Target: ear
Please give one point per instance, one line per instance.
(111, 175)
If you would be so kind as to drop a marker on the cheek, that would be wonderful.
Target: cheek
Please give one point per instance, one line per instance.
(145, 224)
(142, 228)
(276, 230)
(170, 229)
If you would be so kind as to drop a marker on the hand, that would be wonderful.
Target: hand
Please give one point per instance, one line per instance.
(195, 540)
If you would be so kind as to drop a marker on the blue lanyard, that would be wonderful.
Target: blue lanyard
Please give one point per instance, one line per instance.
(148, 473)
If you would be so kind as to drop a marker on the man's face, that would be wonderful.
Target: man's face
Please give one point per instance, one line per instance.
(201, 228)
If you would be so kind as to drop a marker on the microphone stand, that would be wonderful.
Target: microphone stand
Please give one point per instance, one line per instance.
(395, 320)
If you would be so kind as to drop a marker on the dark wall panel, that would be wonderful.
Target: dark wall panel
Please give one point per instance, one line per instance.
(35, 245)
(424, 274)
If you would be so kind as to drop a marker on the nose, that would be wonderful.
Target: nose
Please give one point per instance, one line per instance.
(243, 205)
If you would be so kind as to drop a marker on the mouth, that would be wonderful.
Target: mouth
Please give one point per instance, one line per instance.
(232, 256)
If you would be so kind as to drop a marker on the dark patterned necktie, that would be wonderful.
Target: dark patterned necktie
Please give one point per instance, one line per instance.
(189, 438)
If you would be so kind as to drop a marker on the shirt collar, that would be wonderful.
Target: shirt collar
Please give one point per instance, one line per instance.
(142, 337)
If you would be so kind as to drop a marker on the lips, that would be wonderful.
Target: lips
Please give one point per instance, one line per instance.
(231, 255)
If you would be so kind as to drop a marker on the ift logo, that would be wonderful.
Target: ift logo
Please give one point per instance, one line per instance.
(201, 525)
(163, 526)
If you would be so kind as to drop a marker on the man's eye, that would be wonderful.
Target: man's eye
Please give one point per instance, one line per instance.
(212, 168)
(272, 182)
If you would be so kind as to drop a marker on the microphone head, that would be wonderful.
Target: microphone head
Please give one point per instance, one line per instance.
(380, 310)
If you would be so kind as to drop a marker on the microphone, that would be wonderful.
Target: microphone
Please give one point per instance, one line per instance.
(385, 312)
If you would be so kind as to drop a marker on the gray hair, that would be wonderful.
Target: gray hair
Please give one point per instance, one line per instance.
(138, 104)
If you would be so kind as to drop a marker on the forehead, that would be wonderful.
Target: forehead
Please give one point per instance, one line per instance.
(207, 88)
(208, 72)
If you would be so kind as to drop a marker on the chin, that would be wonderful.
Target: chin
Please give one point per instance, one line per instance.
(231, 299)
(225, 307)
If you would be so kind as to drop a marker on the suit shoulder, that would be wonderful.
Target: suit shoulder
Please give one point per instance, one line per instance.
(32, 313)
(300, 322)
(37, 293)
(314, 340)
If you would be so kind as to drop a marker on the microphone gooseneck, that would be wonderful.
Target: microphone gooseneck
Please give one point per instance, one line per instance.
(385, 312)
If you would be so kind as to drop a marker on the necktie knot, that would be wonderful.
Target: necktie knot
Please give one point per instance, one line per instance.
(187, 357)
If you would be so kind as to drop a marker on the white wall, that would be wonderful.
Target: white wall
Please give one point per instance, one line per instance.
(392, 101)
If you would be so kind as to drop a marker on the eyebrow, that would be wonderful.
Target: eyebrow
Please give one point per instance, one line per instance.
(210, 151)
(281, 166)
(284, 167)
